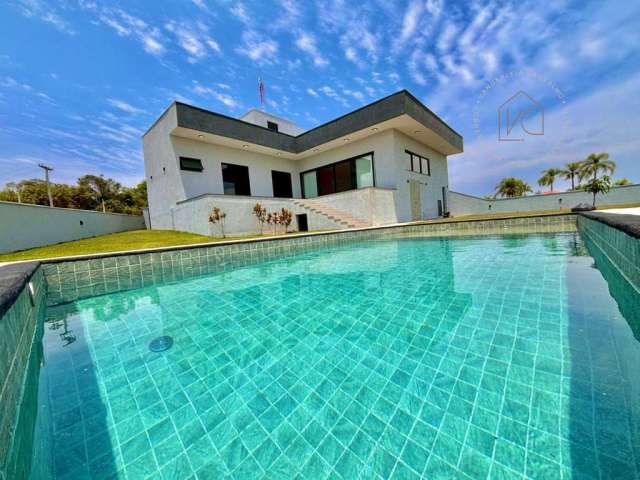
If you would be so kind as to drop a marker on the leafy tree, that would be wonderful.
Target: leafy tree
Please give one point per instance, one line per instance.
(118, 199)
(598, 185)
(595, 163)
(100, 188)
(14, 188)
(571, 172)
(549, 177)
(622, 182)
(512, 187)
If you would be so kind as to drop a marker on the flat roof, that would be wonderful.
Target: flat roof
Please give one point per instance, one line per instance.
(390, 107)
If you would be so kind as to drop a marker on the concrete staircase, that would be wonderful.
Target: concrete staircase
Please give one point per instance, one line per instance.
(337, 216)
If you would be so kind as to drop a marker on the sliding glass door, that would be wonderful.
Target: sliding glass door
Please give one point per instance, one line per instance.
(350, 174)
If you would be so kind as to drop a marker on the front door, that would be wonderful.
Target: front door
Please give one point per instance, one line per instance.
(281, 182)
(414, 198)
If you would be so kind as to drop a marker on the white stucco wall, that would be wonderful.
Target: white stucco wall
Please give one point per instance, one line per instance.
(167, 184)
(258, 117)
(461, 204)
(25, 226)
(430, 185)
(192, 215)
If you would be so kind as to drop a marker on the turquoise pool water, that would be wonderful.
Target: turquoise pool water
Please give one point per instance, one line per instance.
(495, 357)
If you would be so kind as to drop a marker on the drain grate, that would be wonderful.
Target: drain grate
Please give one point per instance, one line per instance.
(160, 344)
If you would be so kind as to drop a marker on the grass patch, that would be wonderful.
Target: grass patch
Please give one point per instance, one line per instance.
(114, 242)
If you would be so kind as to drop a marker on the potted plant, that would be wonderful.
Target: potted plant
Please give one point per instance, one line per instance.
(261, 214)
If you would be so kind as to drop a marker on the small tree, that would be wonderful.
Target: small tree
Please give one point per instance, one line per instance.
(218, 216)
(273, 218)
(286, 217)
(598, 185)
(261, 214)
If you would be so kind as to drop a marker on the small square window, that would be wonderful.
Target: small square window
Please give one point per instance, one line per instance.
(191, 164)
(272, 126)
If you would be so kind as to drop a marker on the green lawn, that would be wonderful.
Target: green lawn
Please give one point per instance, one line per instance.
(114, 242)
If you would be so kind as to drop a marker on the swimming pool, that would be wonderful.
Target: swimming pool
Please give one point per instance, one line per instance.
(487, 357)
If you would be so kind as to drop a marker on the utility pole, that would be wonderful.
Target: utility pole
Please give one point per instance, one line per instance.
(46, 179)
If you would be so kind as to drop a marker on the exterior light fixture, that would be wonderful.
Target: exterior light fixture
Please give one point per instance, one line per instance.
(245, 146)
(200, 135)
(418, 131)
(315, 149)
(374, 129)
(278, 153)
(346, 139)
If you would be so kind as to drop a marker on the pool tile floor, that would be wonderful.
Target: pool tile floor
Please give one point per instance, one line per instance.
(399, 359)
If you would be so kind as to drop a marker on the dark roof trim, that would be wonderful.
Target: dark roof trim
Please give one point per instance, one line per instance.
(629, 224)
(393, 106)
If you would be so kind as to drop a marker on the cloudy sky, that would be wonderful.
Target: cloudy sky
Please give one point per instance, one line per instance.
(81, 80)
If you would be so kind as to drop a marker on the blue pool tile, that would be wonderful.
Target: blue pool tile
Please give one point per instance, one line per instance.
(412, 358)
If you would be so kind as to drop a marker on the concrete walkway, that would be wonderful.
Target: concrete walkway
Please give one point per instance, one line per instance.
(623, 211)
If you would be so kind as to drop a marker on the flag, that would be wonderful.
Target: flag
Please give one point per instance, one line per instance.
(261, 90)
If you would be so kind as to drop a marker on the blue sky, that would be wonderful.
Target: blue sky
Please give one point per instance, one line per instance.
(80, 81)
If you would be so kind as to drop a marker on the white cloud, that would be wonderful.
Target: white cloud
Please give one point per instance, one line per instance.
(312, 92)
(46, 13)
(223, 98)
(193, 38)
(124, 106)
(258, 48)
(127, 25)
(307, 43)
(410, 20)
(239, 11)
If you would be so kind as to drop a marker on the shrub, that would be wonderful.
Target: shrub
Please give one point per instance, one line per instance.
(218, 216)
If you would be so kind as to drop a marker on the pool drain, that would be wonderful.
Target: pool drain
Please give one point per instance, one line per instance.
(160, 344)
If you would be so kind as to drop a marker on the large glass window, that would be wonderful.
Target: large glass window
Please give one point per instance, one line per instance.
(356, 172)
(364, 171)
(310, 184)
(235, 179)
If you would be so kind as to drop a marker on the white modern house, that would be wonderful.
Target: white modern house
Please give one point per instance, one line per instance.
(383, 163)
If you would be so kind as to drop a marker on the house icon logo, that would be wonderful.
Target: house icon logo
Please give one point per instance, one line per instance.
(518, 117)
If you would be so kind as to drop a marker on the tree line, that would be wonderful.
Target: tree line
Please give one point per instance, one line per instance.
(91, 192)
(582, 174)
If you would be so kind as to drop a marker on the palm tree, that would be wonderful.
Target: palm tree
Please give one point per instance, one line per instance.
(594, 163)
(598, 185)
(549, 176)
(572, 171)
(512, 187)
(622, 182)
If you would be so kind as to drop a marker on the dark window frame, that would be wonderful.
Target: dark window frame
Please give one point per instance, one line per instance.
(186, 168)
(273, 126)
(222, 165)
(353, 173)
(419, 159)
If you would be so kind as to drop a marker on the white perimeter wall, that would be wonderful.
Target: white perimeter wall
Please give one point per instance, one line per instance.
(462, 204)
(25, 226)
